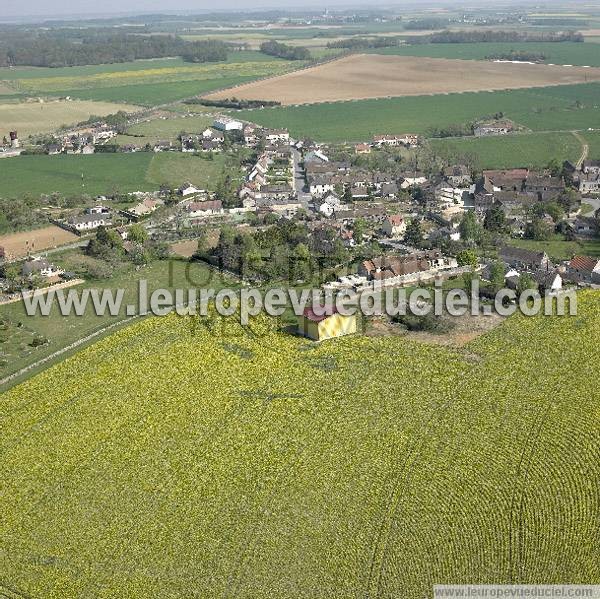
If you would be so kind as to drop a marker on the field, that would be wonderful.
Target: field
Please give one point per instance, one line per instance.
(563, 53)
(558, 249)
(374, 76)
(105, 173)
(164, 129)
(33, 117)
(62, 331)
(593, 140)
(147, 82)
(544, 109)
(533, 150)
(17, 245)
(263, 465)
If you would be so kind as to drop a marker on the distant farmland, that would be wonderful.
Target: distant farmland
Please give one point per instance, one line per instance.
(363, 76)
(544, 109)
(558, 53)
(533, 150)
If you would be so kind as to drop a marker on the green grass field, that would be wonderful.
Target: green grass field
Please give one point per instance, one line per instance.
(533, 150)
(62, 331)
(169, 461)
(154, 94)
(159, 129)
(558, 249)
(105, 173)
(542, 109)
(556, 53)
(593, 139)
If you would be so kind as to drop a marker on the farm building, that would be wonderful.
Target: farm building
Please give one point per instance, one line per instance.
(326, 326)
(226, 124)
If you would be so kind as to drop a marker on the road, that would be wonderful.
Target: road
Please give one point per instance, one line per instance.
(585, 149)
(299, 180)
(594, 203)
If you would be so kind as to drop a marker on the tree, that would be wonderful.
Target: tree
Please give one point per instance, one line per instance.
(497, 274)
(137, 234)
(469, 228)
(555, 211)
(495, 219)
(538, 229)
(526, 281)
(358, 229)
(555, 167)
(414, 233)
(467, 258)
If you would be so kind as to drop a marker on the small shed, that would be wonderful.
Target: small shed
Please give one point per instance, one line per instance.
(329, 325)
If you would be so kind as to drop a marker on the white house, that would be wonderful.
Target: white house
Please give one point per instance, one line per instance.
(40, 266)
(394, 226)
(412, 181)
(88, 222)
(187, 189)
(227, 124)
(329, 204)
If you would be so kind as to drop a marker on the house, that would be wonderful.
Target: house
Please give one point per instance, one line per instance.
(362, 149)
(315, 156)
(394, 226)
(329, 325)
(187, 189)
(591, 167)
(162, 146)
(544, 186)
(274, 136)
(487, 129)
(359, 192)
(144, 208)
(408, 140)
(190, 143)
(504, 180)
(196, 212)
(54, 149)
(88, 222)
(524, 259)
(548, 282)
(250, 137)
(227, 124)
(388, 190)
(391, 269)
(584, 269)
(409, 182)
(329, 204)
(585, 225)
(97, 210)
(589, 183)
(458, 175)
(40, 266)
(319, 186)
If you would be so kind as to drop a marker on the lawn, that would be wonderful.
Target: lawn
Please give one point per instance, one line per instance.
(534, 150)
(593, 139)
(558, 249)
(106, 173)
(543, 109)
(172, 460)
(573, 53)
(163, 129)
(61, 331)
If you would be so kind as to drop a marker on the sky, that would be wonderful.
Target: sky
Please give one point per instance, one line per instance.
(10, 9)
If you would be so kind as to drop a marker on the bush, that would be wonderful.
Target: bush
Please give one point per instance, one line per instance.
(428, 323)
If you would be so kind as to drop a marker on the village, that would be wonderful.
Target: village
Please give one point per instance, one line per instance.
(344, 217)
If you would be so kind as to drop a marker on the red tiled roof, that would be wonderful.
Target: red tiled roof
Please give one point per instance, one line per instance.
(586, 263)
(310, 314)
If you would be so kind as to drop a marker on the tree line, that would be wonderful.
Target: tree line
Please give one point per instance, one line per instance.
(280, 50)
(478, 36)
(63, 49)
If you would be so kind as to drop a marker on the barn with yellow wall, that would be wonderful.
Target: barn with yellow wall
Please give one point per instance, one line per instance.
(324, 327)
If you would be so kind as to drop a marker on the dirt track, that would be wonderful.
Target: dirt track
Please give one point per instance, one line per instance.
(364, 76)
